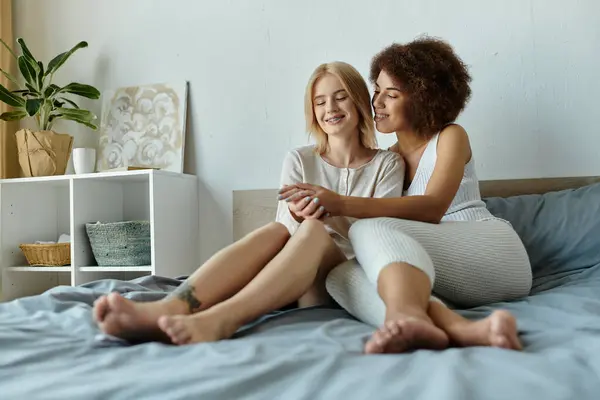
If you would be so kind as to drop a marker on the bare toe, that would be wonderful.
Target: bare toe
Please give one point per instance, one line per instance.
(175, 328)
(503, 330)
(100, 308)
(405, 335)
(375, 344)
(393, 327)
(118, 303)
(129, 320)
(499, 329)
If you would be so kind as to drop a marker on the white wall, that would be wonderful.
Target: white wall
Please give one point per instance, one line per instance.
(534, 63)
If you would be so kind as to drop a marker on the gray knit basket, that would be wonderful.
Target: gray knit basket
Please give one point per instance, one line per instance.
(124, 243)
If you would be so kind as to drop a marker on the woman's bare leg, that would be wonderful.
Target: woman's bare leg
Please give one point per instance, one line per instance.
(317, 294)
(497, 330)
(285, 279)
(405, 290)
(219, 278)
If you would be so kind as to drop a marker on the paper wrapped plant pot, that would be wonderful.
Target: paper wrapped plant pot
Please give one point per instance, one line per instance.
(43, 153)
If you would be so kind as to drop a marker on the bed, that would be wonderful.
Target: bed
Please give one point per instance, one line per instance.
(50, 348)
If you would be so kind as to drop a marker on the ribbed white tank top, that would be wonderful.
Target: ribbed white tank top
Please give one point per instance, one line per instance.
(467, 204)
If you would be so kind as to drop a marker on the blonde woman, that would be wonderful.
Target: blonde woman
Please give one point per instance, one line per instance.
(289, 259)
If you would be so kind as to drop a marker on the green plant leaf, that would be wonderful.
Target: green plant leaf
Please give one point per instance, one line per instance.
(26, 93)
(40, 75)
(75, 118)
(13, 115)
(70, 102)
(9, 49)
(84, 115)
(33, 106)
(51, 90)
(25, 49)
(58, 104)
(29, 57)
(81, 90)
(33, 90)
(52, 65)
(29, 93)
(26, 70)
(10, 77)
(60, 59)
(10, 98)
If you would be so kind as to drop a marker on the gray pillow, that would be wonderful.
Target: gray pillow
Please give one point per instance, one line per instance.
(560, 230)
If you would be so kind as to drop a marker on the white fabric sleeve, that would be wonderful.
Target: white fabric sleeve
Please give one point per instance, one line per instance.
(391, 183)
(291, 173)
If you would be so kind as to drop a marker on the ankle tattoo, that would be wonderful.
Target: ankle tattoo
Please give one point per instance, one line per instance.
(185, 292)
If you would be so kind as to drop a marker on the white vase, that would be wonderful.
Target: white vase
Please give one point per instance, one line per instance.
(84, 160)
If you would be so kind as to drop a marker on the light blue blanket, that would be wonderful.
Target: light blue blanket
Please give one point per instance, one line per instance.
(50, 349)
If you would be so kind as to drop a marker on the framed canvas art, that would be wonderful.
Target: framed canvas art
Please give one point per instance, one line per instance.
(143, 127)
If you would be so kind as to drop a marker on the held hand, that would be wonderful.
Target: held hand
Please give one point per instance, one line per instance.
(307, 208)
(293, 193)
(330, 200)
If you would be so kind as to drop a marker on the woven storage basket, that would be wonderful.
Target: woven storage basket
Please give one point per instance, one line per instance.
(47, 255)
(124, 243)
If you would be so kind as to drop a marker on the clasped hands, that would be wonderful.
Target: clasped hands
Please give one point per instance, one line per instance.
(308, 201)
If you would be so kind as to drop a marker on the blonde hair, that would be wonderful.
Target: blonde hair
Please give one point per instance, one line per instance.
(356, 87)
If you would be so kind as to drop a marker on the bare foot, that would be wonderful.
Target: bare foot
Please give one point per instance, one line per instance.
(206, 326)
(404, 333)
(129, 320)
(497, 330)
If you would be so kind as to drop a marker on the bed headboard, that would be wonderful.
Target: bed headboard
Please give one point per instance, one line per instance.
(255, 208)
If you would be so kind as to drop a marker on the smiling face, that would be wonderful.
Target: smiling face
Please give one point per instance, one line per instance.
(334, 110)
(389, 104)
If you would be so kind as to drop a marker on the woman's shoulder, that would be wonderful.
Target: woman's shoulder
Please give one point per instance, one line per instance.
(453, 130)
(387, 159)
(454, 134)
(300, 158)
(308, 151)
(302, 153)
(387, 155)
(453, 138)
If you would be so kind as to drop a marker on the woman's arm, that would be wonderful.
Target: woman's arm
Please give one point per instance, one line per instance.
(294, 211)
(453, 153)
(291, 174)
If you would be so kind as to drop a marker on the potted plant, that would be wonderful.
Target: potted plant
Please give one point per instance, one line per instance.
(44, 152)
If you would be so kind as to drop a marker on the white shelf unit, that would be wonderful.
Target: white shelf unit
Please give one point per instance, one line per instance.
(42, 208)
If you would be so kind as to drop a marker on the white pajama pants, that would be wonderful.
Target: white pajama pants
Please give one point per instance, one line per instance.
(469, 263)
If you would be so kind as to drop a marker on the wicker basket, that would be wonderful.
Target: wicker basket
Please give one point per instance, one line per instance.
(124, 243)
(47, 255)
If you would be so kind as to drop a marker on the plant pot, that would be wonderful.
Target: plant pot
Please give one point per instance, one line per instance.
(43, 153)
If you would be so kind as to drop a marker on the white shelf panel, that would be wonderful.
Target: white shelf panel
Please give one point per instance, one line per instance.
(168, 200)
(141, 268)
(121, 176)
(39, 269)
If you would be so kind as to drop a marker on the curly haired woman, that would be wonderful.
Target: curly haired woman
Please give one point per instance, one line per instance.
(439, 237)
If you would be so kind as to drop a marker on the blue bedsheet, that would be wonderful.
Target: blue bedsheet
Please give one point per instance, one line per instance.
(50, 349)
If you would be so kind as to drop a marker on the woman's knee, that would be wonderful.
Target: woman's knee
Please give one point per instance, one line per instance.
(368, 228)
(274, 230)
(311, 228)
(313, 236)
(381, 242)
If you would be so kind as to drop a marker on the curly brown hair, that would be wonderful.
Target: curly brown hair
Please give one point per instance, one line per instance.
(431, 75)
